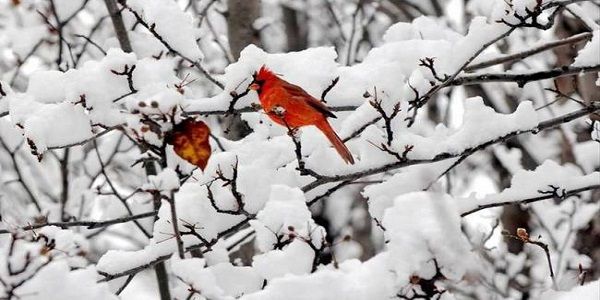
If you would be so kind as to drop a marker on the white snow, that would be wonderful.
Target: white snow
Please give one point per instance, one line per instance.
(171, 23)
(58, 282)
(527, 184)
(420, 227)
(47, 86)
(54, 125)
(294, 259)
(590, 290)
(590, 54)
(353, 281)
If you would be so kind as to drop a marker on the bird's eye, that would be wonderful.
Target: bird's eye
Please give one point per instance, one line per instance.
(260, 82)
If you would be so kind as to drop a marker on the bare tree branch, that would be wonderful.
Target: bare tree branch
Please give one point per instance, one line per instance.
(443, 156)
(523, 78)
(87, 224)
(566, 194)
(529, 52)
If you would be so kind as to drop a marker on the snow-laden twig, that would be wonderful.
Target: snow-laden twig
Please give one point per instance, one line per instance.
(443, 156)
(255, 108)
(522, 78)
(195, 63)
(84, 223)
(543, 196)
(529, 52)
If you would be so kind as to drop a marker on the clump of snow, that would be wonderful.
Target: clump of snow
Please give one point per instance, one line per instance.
(285, 214)
(192, 273)
(98, 84)
(47, 86)
(587, 155)
(221, 281)
(236, 281)
(421, 28)
(590, 54)
(167, 180)
(285, 219)
(352, 281)
(67, 243)
(151, 73)
(590, 290)
(57, 282)
(412, 179)
(51, 125)
(295, 259)
(528, 184)
(116, 261)
(480, 123)
(420, 227)
(10, 135)
(171, 23)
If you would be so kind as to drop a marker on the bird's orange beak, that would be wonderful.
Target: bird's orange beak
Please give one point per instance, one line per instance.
(254, 86)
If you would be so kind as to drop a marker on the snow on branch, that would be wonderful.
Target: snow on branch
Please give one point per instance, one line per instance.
(160, 156)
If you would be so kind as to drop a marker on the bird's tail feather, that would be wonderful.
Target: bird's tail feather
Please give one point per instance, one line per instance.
(338, 144)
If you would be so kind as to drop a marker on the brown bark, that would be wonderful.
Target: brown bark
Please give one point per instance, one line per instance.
(241, 15)
(297, 38)
(584, 85)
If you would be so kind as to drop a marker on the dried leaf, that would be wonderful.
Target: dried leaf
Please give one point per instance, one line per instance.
(190, 141)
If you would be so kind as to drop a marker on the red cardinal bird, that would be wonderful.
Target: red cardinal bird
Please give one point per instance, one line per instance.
(289, 105)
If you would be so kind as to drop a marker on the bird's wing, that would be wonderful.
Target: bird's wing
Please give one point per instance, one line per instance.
(297, 93)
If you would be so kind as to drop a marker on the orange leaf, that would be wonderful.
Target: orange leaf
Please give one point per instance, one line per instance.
(190, 141)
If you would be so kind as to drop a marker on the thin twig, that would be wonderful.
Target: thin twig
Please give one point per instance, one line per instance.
(87, 224)
(529, 52)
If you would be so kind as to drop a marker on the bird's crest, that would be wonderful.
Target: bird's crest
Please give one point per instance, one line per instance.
(264, 74)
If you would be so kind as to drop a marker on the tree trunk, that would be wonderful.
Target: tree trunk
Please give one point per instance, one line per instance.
(295, 32)
(241, 15)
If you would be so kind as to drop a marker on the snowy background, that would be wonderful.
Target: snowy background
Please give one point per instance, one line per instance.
(474, 124)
